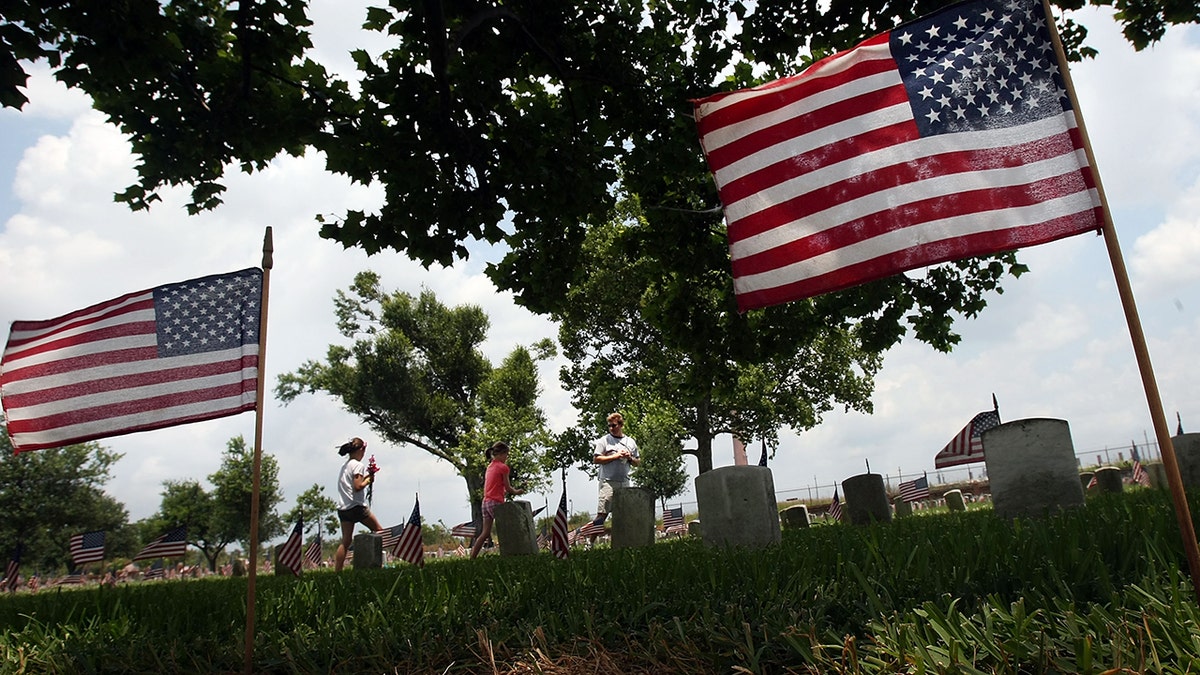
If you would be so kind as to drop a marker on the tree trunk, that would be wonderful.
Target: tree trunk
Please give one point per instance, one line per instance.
(475, 494)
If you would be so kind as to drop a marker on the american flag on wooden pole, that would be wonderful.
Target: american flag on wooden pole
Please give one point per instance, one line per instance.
(87, 547)
(951, 136)
(289, 553)
(835, 506)
(915, 490)
(409, 546)
(169, 545)
(967, 446)
(12, 571)
(391, 536)
(179, 353)
(312, 554)
(1139, 472)
(559, 543)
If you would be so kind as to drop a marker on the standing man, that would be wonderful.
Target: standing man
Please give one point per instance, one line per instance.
(615, 453)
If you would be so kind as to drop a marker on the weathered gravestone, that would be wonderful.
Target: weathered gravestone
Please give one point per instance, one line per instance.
(902, 508)
(1108, 479)
(368, 551)
(1085, 479)
(866, 500)
(954, 500)
(514, 528)
(794, 517)
(738, 507)
(632, 518)
(1187, 455)
(1031, 467)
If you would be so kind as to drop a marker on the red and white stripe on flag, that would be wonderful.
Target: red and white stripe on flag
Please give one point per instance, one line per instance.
(559, 542)
(948, 137)
(179, 353)
(289, 553)
(409, 546)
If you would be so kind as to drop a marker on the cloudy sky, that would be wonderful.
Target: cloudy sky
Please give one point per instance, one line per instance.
(1055, 344)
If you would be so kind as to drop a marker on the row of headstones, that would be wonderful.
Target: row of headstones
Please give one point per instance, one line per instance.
(1031, 470)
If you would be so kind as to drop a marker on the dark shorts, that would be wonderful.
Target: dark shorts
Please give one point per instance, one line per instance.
(354, 514)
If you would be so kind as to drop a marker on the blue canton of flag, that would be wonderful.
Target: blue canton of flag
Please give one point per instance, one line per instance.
(989, 66)
(209, 314)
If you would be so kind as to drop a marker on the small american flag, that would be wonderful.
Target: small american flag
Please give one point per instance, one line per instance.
(915, 490)
(12, 571)
(951, 136)
(967, 446)
(466, 529)
(175, 354)
(391, 536)
(1093, 482)
(169, 545)
(673, 520)
(835, 507)
(289, 553)
(559, 541)
(155, 572)
(312, 554)
(591, 529)
(409, 547)
(87, 547)
(1139, 472)
(73, 578)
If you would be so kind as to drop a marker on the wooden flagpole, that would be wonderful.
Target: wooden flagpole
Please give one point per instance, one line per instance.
(1161, 431)
(267, 263)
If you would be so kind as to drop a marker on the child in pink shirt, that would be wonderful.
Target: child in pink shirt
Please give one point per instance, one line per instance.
(496, 486)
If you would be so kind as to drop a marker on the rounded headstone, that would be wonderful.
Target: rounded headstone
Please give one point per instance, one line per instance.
(795, 517)
(1031, 467)
(738, 506)
(693, 527)
(902, 508)
(1108, 479)
(1085, 479)
(954, 500)
(632, 517)
(514, 528)
(866, 500)
(1187, 455)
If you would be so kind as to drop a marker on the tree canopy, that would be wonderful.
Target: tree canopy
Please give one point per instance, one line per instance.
(217, 518)
(49, 495)
(502, 122)
(415, 374)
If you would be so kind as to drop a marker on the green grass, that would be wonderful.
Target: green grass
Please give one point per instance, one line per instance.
(1093, 589)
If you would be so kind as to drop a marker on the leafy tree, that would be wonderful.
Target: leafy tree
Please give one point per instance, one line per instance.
(317, 509)
(416, 376)
(503, 122)
(48, 495)
(659, 434)
(666, 341)
(217, 518)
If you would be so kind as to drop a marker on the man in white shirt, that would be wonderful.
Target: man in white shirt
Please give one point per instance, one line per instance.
(616, 453)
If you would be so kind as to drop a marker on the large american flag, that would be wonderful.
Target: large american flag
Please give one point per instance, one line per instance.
(289, 553)
(409, 546)
(967, 446)
(87, 547)
(169, 545)
(179, 353)
(948, 137)
(915, 490)
(559, 543)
